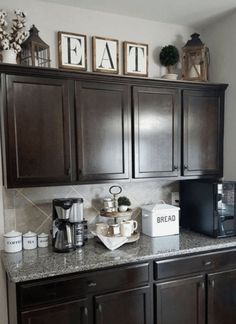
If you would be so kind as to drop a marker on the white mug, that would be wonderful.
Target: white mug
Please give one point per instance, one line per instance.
(128, 227)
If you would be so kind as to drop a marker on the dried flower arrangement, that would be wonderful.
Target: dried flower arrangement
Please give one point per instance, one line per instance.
(13, 38)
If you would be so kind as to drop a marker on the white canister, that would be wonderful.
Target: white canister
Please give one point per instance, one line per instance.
(12, 242)
(160, 220)
(43, 240)
(30, 241)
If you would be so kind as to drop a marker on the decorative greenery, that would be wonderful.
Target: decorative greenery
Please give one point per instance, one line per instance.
(124, 201)
(169, 56)
(13, 38)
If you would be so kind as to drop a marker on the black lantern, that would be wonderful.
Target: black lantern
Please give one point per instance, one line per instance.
(35, 52)
(195, 60)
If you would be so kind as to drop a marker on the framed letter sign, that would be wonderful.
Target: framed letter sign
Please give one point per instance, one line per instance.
(105, 55)
(72, 51)
(135, 59)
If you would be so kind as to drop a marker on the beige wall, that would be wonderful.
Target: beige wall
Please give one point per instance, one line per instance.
(50, 18)
(220, 39)
(3, 302)
(30, 208)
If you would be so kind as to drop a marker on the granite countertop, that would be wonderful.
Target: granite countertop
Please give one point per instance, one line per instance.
(43, 262)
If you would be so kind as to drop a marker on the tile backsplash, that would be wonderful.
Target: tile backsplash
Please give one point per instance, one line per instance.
(31, 208)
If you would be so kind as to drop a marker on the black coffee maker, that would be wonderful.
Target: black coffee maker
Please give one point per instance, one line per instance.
(62, 233)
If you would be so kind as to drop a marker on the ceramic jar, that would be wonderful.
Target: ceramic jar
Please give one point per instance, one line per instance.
(42, 240)
(13, 242)
(30, 241)
(9, 56)
(108, 204)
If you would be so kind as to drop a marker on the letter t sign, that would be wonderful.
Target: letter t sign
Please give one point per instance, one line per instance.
(135, 59)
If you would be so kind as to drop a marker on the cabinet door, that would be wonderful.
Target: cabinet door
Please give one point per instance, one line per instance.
(180, 301)
(156, 132)
(103, 131)
(222, 297)
(38, 131)
(76, 312)
(126, 307)
(203, 132)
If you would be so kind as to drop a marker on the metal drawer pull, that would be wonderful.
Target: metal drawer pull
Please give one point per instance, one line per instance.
(92, 284)
(86, 311)
(207, 263)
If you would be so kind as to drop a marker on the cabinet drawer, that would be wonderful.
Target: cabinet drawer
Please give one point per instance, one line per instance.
(193, 264)
(62, 288)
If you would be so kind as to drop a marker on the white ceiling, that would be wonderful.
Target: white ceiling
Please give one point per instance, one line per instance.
(194, 13)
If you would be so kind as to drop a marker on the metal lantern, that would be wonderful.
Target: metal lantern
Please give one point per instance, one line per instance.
(35, 52)
(195, 60)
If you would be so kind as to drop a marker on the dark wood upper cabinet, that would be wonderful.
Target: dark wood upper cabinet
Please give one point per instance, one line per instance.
(63, 127)
(202, 132)
(156, 132)
(221, 297)
(103, 131)
(73, 312)
(38, 131)
(180, 301)
(126, 307)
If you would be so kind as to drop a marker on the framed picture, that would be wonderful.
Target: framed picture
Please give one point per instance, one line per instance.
(105, 55)
(135, 59)
(72, 51)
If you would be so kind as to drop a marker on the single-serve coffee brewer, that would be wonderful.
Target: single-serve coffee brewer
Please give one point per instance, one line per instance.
(68, 224)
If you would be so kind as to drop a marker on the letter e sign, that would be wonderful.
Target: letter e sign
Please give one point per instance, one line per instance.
(105, 55)
(135, 59)
(72, 51)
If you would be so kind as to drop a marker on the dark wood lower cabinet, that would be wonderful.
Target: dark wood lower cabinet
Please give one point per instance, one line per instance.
(199, 289)
(222, 297)
(180, 301)
(126, 307)
(75, 312)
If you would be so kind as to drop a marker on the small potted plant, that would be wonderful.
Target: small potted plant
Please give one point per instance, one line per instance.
(169, 57)
(123, 203)
(12, 38)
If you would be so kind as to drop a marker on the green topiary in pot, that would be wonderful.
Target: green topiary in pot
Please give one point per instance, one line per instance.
(169, 56)
(123, 203)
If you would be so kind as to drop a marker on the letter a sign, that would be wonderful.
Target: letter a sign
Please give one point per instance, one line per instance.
(135, 59)
(72, 51)
(105, 55)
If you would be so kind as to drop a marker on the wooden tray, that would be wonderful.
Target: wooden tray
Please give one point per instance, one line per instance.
(116, 214)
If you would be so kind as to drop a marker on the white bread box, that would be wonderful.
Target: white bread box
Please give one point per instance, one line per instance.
(160, 220)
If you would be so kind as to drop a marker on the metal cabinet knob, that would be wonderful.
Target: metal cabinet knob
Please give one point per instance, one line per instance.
(92, 284)
(201, 285)
(212, 283)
